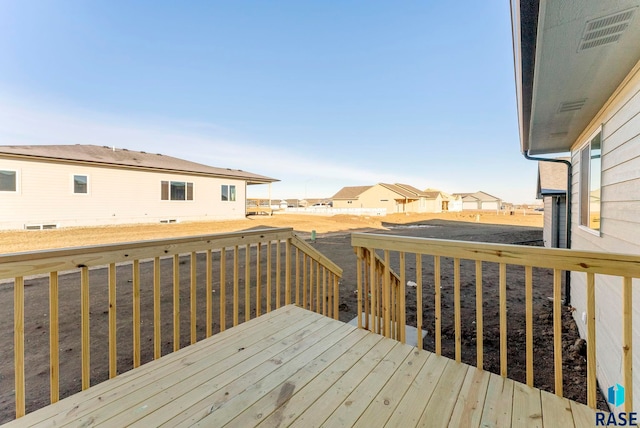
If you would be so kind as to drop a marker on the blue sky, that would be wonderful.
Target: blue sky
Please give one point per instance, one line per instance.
(319, 94)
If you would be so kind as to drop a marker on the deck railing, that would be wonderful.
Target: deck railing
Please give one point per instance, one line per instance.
(212, 264)
(381, 294)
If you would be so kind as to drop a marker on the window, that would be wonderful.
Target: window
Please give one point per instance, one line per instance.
(176, 191)
(228, 192)
(80, 184)
(8, 181)
(590, 174)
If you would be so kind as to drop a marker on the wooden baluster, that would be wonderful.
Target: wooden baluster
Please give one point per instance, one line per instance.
(157, 323)
(247, 283)
(557, 329)
(401, 299)
(311, 270)
(113, 328)
(236, 286)
(136, 313)
(278, 274)
(305, 303)
(591, 341)
(627, 342)
(367, 289)
(456, 309)
(438, 319)
(336, 296)
(318, 284)
(323, 290)
(374, 286)
(258, 280)
(297, 277)
(193, 297)
(479, 318)
(18, 344)
(386, 295)
(54, 349)
(419, 317)
(176, 302)
(223, 289)
(85, 331)
(503, 319)
(287, 272)
(269, 277)
(528, 280)
(209, 293)
(359, 285)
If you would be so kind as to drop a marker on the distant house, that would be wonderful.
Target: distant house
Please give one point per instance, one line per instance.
(451, 203)
(347, 197)
(395, 198)
(578, 90)
(552, 189)
(479, 201)
(80, 185)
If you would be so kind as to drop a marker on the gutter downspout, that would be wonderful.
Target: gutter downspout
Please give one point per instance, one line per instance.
(567, 290)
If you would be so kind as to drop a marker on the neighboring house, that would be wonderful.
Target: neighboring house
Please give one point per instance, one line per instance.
(395, 198)
(452, 203)
(552, 189)
(479, 201)
(347, 197)
(578, 90)
(80, 185)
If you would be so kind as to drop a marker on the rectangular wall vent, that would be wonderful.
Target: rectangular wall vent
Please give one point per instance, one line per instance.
(567, 106)
(40, 226)
(605, 30)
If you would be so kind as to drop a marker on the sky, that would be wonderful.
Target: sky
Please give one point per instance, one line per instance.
(317, 94)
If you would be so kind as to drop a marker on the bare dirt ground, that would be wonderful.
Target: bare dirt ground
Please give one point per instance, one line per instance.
(334, 241)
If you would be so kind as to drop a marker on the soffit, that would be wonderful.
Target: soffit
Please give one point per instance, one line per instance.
(584, 50)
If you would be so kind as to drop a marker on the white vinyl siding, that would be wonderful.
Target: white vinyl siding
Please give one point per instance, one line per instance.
(118, 196)
(619, 227)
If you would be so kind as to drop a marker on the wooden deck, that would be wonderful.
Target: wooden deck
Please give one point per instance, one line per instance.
(295, 367)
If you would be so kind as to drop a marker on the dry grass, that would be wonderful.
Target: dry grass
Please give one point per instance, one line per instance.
(24, 240)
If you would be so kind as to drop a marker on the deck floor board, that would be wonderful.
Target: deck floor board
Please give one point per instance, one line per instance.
(293, 367)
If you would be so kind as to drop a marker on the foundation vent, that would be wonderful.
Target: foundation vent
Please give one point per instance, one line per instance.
(568, 106)
(605, 30)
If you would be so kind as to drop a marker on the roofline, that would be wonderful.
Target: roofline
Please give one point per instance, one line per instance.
(524, 27)
(249, 180)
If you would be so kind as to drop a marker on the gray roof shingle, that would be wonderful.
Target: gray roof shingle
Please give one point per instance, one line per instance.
(109, 156)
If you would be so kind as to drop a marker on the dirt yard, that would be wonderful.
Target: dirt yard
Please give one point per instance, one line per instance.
(334, 241)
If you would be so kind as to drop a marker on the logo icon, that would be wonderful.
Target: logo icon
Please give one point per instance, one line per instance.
(615, 395)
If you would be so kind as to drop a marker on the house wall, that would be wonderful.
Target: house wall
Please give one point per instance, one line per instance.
(434, 205)
(379, 197)
(555, 215)
(619, 227)
(346, 203)
(115, 196)
(455, 205)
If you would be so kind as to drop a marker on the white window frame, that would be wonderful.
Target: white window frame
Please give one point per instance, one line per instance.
(229, 193)
(17, 190)
(587, 146)
(73, 184)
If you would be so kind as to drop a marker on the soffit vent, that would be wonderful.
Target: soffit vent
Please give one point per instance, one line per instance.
(605, 30)
(567, 106)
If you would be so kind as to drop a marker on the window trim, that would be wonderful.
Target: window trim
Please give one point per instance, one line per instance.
(587, 146)
(73, 184)
(229, 193)
(17, 182)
